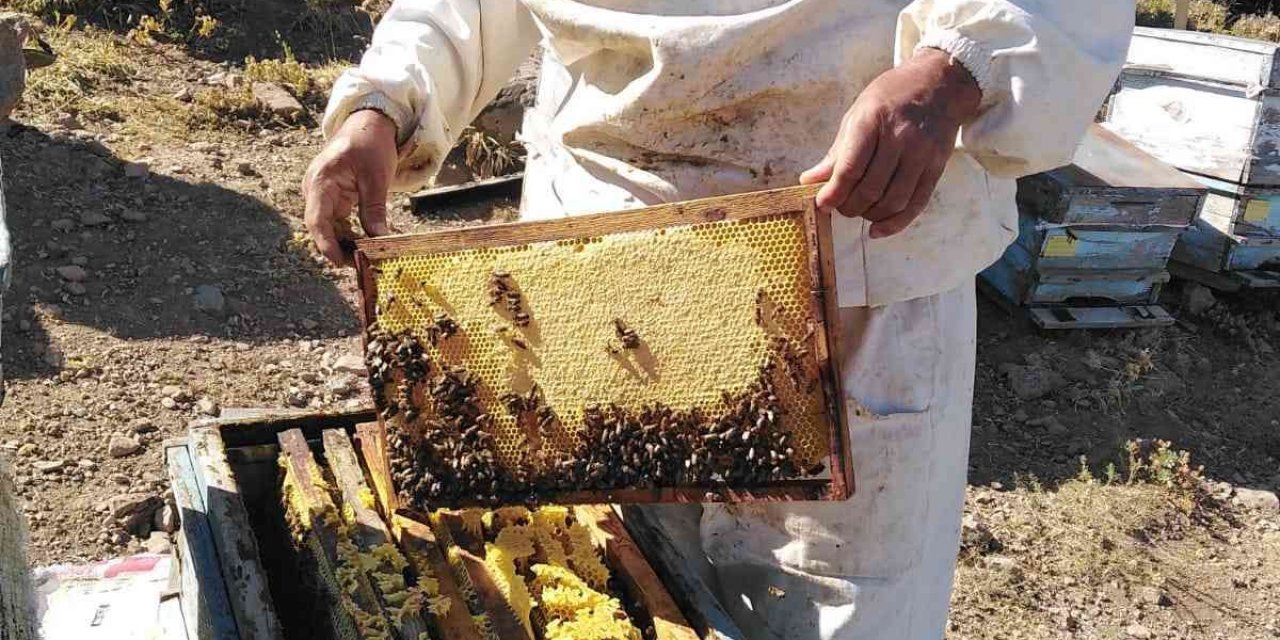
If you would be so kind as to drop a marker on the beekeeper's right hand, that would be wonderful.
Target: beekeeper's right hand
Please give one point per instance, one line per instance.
(353, 170)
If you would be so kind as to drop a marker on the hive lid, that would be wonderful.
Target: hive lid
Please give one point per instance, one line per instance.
(699, 327)
(1204, 56)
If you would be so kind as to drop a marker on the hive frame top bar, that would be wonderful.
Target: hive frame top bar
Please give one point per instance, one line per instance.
(788, 201)
(735, 207)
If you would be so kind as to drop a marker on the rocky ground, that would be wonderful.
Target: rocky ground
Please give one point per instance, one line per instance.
(162, 273)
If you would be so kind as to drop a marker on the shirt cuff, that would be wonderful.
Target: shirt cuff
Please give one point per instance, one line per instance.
(378, 101)
(971, 54)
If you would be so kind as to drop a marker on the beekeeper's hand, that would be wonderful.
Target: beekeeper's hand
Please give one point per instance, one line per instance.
(353, 170)
(894, 142)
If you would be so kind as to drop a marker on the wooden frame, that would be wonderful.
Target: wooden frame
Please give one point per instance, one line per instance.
(822, 307)
(218, 560)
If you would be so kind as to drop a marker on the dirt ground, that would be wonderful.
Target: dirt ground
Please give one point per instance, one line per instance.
(161, 273)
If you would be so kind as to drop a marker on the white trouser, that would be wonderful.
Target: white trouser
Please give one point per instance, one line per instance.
(879, 566)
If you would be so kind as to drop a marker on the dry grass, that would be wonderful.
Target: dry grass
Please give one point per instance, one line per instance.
(87, 61)
(485, 156)
(1209, 17)
(1080, 556)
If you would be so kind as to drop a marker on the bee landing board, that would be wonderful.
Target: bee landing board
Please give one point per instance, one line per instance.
(673, 353)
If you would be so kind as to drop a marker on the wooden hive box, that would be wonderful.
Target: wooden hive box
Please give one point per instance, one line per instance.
(1095, 233)
(1204, 103)
(284, 537)
(674, 353)
(1235, 241)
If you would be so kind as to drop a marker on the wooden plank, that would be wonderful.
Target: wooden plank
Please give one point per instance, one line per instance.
(736, 207)
(1180, 11)
(307, 496)
(420, 547)
(1129, 317)
(470, 553)
(373, 448)
(233, 536)
(205, 606)
(368, 529)
(827, 348)
(683, 584)
(629, 565)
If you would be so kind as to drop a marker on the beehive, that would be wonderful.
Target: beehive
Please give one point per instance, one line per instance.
(708, 291)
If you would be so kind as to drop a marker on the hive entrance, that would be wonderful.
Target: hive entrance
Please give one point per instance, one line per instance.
(671, 354)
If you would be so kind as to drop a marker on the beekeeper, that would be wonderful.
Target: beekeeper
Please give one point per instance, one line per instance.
(918, 117)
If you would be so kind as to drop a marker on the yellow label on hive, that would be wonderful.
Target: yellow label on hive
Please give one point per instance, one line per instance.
(1062, 246)
(690, 294)
(1257, 210)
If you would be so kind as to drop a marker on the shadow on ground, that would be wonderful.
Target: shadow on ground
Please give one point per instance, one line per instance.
(146, 246)
(1208, 385)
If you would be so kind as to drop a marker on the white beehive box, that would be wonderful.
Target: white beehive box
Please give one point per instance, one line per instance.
(1204, 103)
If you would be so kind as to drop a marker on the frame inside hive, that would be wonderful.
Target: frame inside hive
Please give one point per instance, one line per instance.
(683, 275)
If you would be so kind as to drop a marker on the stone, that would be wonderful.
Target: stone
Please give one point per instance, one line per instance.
(135, 512)
(166, 518)
(172, 391)
(63, 224)
(137, 170)
(72, 273)
(1032, 383)
(67, 121)
(131, 215)
(168, 403)
(245, 168)
(94, 219)
(158, 543)
(350, 364)
(273, 98)
(1153, 596)
(209, 299)
(339, 386)
(48, 466)
(1137, 631)
(123, 446)
(129, 504)
(144, 426)
(309, 324)
(27, 450)
(208, 407)
(75, 288)
(1197, 298)
(87, 465)
(1257, 499)
(309, 377)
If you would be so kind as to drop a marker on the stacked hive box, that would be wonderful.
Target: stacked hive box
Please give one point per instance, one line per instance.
(1210, 106)
(1095, 237)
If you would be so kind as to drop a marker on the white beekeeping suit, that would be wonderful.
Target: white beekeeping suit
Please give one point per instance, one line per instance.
(648, 101)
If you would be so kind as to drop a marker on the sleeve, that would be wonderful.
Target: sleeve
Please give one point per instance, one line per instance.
(1044, 67)
(432, 66)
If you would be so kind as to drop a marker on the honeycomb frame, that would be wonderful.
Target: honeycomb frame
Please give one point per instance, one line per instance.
(387, 277)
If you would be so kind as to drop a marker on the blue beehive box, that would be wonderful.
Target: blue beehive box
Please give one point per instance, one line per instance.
(1095, 237)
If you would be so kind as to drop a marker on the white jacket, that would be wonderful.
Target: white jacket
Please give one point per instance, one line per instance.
(647, 101)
